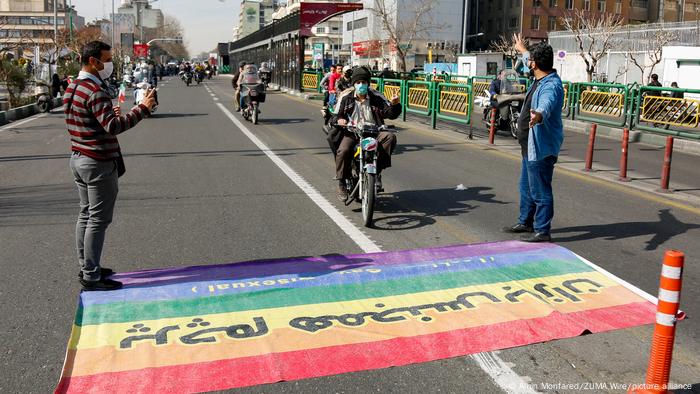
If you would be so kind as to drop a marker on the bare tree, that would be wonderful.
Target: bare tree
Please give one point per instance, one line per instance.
(594, 35)
(655, 41)
(506, 46)
(404, 32)
(172, 28)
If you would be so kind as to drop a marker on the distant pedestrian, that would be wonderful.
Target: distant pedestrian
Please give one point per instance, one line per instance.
(540, 135)
(55, 86)
(96, 161)
(676, 94)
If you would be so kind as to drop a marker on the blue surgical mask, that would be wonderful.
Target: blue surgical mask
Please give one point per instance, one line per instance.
(361, 88)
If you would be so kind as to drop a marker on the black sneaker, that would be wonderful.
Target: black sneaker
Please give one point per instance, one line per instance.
(100, 285)
(104, 272)
(539, 237)
(518, 228)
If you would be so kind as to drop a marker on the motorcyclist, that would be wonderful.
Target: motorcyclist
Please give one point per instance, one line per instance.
(344, 82)
(494, 91)
(248, 76)
(364, 106)
(265, 72)
(234, 84)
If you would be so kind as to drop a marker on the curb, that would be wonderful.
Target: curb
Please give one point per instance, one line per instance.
(679, 144)
(603, 173)
(26, 111)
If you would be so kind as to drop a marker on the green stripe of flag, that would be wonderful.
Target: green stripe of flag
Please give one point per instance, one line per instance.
(275, 298)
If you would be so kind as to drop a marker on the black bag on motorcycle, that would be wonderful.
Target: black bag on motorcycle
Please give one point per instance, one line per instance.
(257, 92)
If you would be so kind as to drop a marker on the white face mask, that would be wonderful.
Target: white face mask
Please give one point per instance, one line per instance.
(107, 71)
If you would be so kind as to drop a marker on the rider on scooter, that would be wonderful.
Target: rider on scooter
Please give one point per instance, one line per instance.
(248, 76)
(364, 106)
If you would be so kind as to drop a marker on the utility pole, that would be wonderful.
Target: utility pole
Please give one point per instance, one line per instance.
(113, 34)
(55, 30)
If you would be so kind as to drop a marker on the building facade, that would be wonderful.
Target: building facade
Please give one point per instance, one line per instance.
(25, 23)
(536, 18)
(440, 32)
(326, 45)
(253, 16)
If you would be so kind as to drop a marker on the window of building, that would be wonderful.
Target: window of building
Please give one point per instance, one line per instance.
(618, 7)
(535, 22)
(513, 23)
(491, 68)
(552, 3)
(335, 28)
(601, 5)
(569, 4)
(640, 3)
(552, 23)
(586, 5)
(320, 30)
(359, 24)
(536, 3)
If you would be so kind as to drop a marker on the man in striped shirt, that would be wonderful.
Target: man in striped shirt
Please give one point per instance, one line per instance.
(96, 161)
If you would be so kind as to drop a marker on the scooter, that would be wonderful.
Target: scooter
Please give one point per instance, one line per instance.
(252, 94)
(43, 97)
(507, 114)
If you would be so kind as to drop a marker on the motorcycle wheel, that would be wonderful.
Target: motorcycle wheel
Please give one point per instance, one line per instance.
(368, 196)
(43, 106)
(255, 114)
(188, 83)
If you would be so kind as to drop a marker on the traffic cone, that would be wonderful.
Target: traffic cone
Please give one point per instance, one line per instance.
(665, 330)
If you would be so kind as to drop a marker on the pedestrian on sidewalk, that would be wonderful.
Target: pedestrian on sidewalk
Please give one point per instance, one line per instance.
(540, 135)
(96, 161)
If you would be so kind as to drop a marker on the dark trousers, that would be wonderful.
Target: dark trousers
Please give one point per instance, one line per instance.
(344, 155)
(536, 197)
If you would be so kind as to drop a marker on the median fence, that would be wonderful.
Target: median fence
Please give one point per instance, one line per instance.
(667, 111)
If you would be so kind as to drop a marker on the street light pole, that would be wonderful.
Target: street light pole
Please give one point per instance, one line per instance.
(113, 34)
(55, 30)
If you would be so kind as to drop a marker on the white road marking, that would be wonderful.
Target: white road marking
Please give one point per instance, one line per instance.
(636, 290)
(502, 375)
(363, 241)
(21, 122)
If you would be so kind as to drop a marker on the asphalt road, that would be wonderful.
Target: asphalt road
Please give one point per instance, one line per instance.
(198, 191)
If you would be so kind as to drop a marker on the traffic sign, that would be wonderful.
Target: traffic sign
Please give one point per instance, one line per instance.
(561, 55)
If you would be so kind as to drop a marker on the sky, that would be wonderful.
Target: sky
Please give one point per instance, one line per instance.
(206, 22)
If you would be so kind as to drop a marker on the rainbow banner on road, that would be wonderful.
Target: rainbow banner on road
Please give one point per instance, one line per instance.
(215, 327)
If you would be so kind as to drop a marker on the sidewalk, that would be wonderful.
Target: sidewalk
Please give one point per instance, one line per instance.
(643, 167)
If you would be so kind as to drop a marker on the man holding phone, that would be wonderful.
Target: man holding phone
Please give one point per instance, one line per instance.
(96, 161)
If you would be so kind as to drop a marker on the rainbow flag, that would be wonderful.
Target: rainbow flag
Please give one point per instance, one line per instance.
(215, 327)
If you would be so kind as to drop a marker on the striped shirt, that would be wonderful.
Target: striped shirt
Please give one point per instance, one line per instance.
(91, 121)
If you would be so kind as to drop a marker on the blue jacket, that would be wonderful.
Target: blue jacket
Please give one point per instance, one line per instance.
(545, 138)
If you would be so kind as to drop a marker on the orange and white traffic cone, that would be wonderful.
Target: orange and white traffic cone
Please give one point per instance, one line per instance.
(665, 330)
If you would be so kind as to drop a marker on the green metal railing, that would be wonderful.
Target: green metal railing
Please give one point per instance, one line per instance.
(603, 103)
(637, 107)
(452, 102)
(657, 113)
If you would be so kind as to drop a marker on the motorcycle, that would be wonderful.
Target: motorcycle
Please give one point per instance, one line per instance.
(198, 77)
(208, 74)
(364, 183)
(265, 77)
(252, 95)
(186, 77)
(43, 97)
(508, 111)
